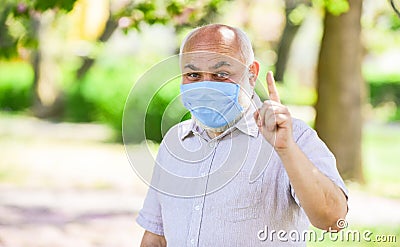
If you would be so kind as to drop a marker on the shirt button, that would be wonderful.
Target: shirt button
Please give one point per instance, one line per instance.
(203, 174)
(192, 241)
(197, 207)
(211, 144)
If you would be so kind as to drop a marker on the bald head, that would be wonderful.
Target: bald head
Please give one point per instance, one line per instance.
(222, 39)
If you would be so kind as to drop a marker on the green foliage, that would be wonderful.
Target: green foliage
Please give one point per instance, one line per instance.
(102, 94)
(23, 7)
(18, 22)
(8, 45)
(384, 88)
(298, 14)
(384, 92)
(335, 7)
(394, 22)
(43, 5)
(162, 113)
(174, 8)
(99, 96)
(395, 6)
(176, 12)
(15, 86)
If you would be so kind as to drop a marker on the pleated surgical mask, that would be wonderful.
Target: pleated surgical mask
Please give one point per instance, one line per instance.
(214, 104)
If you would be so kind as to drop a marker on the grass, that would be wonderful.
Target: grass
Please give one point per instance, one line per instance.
(381, 160)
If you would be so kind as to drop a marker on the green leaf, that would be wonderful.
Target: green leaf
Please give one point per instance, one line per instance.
(8, 44)
(298, 14)
(337, 7)
(146, 7)
(174, 9)
(43, 5)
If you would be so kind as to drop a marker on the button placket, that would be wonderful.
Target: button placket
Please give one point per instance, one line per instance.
(195, 221)
(198, 202)
(197, 206)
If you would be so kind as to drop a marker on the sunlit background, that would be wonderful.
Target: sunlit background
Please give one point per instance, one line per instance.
(66, 69)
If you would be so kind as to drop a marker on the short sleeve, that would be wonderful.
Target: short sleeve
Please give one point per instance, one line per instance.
(318, 153)
(150, 216)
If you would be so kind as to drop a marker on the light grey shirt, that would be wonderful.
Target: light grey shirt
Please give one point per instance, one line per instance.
(229, 191)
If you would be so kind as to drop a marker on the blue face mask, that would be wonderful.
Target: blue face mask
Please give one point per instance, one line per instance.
(214, 104)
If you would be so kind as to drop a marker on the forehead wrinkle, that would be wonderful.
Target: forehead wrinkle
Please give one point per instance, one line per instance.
(199, 62)
(230, 49)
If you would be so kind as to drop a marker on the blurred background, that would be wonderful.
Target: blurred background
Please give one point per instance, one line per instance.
(67, 66)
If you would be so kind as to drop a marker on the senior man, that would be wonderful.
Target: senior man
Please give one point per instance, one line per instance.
(247, 168)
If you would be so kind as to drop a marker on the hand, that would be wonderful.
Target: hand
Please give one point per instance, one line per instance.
(274, 120)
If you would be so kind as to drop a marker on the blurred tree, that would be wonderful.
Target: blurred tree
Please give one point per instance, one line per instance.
(23, 22)
(48, 98)
(295, 12)
(7, 43)
(132, 14)
(15, 26)
(340, 89)
(396, 6)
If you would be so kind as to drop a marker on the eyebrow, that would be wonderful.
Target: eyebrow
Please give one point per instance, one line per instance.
(220, 64)
(192, 67)
(216, 66)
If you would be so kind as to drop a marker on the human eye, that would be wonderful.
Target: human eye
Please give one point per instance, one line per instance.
(221, 75)
(193, 76)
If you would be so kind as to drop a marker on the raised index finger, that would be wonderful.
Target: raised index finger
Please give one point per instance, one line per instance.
(273, 93)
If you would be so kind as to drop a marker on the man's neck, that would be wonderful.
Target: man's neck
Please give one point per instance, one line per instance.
(213, 134)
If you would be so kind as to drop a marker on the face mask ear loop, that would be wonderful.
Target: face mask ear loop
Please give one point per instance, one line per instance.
(248, 74)
(252, 75)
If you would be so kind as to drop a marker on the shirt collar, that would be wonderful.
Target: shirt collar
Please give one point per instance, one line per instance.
(187, 129)
(246, 124)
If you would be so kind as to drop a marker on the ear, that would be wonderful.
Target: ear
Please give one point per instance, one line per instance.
(253, 70)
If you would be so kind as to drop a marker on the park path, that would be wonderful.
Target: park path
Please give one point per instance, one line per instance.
(65, 185)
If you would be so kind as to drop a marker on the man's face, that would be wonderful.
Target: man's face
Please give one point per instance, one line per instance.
(211, 66)
(214, 55)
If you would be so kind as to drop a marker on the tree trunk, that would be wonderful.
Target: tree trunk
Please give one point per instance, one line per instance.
(48, 98)
(340, 90)
(286, 40)
(88, 62)
(289, 32)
